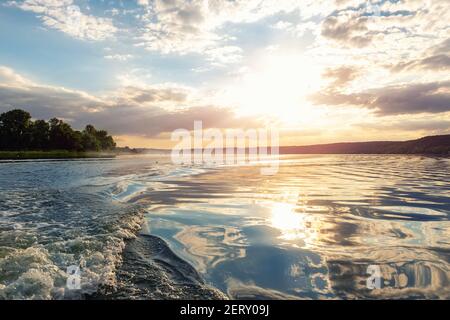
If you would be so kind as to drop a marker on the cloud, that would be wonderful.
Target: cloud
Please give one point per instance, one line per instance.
(198, 26)
(135, 120)
(334, 98)
(441, 48)
(186, 27)
(9, 77)
(431, 126)
(224, 55)
(347, 29)
(436, 58)
(297, 29)
(64, 16)
(431, 97)
(409, 35)
(143, 2)
(342, 75)
(119, 57)
(413, 98)
(43, 100)
(436, 62)
(393, 31)
(177, 26)
(144, 111)
(153, 94)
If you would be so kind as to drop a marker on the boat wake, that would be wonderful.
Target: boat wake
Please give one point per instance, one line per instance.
(150, 270)
(60, 215)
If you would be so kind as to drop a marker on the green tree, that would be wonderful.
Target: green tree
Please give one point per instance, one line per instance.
(96, 140)
(89, 142)
(40, 135)
(62, 136)
(106, 141)
(90, 129)
(18, 132)
(15, 129)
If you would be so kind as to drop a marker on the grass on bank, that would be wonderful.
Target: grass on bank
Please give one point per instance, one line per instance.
(53, 154)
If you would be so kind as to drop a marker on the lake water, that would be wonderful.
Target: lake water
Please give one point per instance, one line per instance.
(316, 229)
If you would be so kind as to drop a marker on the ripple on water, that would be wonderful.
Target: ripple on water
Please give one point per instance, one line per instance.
(312, 230)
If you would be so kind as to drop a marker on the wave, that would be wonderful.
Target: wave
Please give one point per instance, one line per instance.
(38, 271)
(150, 270)
(56, 215)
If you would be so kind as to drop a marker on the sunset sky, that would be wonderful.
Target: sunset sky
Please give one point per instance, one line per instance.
(320, 71)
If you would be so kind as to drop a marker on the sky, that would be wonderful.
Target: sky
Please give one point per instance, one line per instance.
(319, 71)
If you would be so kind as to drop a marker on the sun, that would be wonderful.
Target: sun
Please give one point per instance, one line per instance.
(277, 87)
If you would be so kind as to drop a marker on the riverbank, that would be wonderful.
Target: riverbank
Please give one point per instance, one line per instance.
(53, 154)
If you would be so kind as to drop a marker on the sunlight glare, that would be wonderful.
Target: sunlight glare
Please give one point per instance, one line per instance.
(289, 222)
(278, 88)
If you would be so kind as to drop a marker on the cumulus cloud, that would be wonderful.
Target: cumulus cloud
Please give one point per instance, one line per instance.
(177, 26)
(403, 35)
(186, 27)
(441, 48)
(431, 97)
(145, 111)
(18, 92)
(392, 31)
(9, 77)
(436, 62)
(64, 16)
(197, 26)
(436, 58)
(413, 98)
(342, 75)
(347, 29)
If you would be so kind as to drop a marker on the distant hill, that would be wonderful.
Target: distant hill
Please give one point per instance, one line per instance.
(439, 145)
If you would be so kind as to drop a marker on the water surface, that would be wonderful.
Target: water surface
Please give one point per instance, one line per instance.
(309, 231)
(312, 230)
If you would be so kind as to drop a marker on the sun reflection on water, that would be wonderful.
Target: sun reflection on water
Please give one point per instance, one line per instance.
(312, 230)
(293, 224)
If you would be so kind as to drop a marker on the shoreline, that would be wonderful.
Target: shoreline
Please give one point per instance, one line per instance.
(73, 155)
(54, 154)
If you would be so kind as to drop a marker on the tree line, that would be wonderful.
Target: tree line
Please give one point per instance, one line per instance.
(19, 132)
